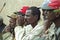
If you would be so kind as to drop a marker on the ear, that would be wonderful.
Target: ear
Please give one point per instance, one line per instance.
(36, 17)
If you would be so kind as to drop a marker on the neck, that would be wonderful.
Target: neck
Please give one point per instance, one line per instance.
(21, 25)
(34, 24)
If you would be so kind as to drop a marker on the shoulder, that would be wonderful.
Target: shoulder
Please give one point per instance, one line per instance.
(17, 28)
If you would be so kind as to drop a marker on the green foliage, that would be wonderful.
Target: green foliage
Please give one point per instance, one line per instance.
(57, 10)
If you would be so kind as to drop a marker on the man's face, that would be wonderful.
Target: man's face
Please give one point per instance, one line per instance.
(12, 22)
(48, 14)
(29, 17)
(20, 20)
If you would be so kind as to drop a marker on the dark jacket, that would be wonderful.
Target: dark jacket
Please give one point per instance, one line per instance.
(2, 27)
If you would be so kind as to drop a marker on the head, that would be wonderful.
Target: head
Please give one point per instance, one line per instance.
(48, 14)
(12, 21)
(47, 10)
(32, 15)
(20, 19)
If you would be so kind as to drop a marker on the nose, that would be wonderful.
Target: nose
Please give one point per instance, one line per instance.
(25, 17)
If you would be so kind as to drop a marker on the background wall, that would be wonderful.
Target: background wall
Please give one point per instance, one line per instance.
(14, 5)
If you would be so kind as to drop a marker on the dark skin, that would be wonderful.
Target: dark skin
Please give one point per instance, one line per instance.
(11, 26)
(20, 20)
(31, 19)
(51, 17)
(12, 22)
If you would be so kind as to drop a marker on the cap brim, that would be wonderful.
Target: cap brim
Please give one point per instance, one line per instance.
(19, 13)
(15, 12)
(9, 16)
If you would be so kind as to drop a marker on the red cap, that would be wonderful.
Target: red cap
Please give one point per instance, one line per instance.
(23, 10)
(54, 4)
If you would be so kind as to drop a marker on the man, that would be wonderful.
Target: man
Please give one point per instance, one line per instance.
(20, 24)
(32, 16)
(10, 27)
(2, 26)
(20, 29)
(51, 17)
(12, 21)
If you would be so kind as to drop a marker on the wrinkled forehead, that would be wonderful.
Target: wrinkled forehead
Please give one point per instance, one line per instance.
(28, 12)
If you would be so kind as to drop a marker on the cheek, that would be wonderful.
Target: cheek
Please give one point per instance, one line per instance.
(28, 19)
(51, 16)
(21, 20)
(31, 20)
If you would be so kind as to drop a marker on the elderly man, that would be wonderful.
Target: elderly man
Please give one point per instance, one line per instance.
(32, 16)
(10, 28)
(51, 17)
(21, 30)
